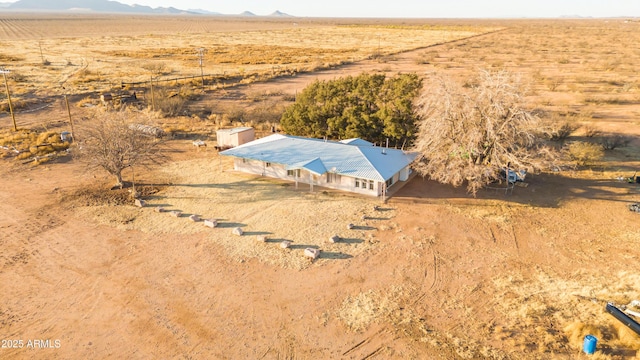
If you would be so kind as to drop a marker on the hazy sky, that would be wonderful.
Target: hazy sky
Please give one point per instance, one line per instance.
(412, 8)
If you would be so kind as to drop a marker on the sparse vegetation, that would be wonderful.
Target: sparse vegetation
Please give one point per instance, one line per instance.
(560, 131)
(612, 142)
(584, 153)
(513, 286)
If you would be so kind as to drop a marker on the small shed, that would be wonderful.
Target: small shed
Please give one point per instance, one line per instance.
(228, 138)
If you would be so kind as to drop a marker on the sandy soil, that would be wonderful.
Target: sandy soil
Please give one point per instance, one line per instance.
(434, 274)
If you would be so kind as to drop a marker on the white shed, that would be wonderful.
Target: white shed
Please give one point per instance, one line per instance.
(228, 138)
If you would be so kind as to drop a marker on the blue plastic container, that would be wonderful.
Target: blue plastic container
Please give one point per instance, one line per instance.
(589, 345)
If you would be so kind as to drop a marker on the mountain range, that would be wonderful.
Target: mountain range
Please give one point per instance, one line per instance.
(104, 6)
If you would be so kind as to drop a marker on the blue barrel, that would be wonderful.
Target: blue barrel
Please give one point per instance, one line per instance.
(589, 346)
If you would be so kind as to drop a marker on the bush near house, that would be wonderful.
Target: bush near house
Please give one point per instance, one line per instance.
(368, 106)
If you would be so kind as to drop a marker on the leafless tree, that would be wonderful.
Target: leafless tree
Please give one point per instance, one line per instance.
(115, 141)
(471, 133)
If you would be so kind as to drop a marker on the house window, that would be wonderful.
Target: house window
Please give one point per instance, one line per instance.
(334, 178)
(357, 183)
(364, 183)
(267, 164)
(294, 173)
(370, 184)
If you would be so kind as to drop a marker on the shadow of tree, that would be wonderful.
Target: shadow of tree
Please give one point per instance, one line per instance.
(543, 190)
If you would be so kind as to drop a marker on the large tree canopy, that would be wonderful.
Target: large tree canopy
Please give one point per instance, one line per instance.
(118, 140)
(372, 107)
(469, 134)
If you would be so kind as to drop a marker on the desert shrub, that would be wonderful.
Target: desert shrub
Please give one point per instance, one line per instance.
(30, 143)
(47, 138)
(614, 141)
(591, 131)
(425, 58)
(289, 97)
(266, 112)
(234, 114)
(19, 78)
(188, 93)
(169, 104)
(584, 153)
(560, 131)
(85, 76)
(86, 102)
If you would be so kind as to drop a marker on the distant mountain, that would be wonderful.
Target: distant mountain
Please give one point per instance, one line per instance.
(204, 12)
(89, 5)
(279, 13)
(107, 6)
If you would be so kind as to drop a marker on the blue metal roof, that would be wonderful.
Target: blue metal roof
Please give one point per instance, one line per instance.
(315, 166)
(319, 156)
(357, 142)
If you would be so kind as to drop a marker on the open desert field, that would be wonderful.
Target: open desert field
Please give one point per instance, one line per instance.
(433, 273)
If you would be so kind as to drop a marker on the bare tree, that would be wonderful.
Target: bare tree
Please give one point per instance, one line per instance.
(115, 141)
(470, 134)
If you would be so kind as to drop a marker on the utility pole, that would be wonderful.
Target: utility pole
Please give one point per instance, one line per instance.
(6, 85)
(201, 52)
(153, 100)
(41, 54)
(73, 133)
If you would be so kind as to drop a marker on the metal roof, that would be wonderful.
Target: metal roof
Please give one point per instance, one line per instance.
(234, 130)
(356, 141)
(315, 166)
(320, 156)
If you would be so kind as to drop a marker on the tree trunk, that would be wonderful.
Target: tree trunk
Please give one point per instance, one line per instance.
(119, 183)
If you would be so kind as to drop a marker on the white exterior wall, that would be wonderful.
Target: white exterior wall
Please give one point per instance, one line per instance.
(244, 137)
(223, 138)
(404, 173)
(278, 171)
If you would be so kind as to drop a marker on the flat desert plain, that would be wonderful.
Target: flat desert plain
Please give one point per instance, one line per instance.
(432, 273)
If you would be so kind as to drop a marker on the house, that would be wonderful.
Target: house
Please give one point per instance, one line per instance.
(228, 138)
(353, 165)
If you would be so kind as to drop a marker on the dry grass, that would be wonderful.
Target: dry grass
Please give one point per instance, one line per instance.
(557, 306)
(259, 206)
(358, 312)
(25, 144)
(88, 62)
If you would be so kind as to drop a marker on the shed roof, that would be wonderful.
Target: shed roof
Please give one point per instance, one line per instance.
(234, 130)
(319, 156)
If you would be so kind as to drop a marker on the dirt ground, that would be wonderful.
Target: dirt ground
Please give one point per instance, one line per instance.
(434, 273)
